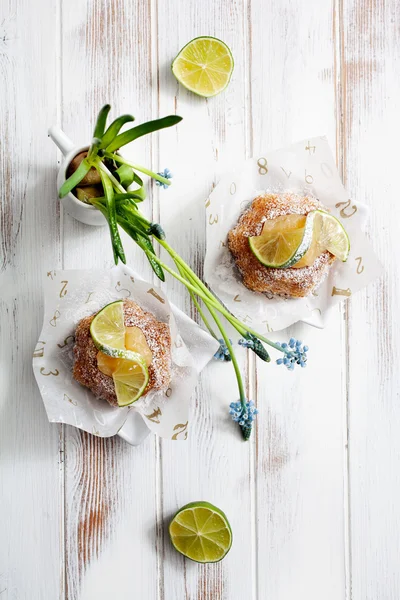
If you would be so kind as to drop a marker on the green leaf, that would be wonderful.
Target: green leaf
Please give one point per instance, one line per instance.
(114, 129)
(132, 134)
(101, 121)
(74, 179)
(125, 175)
(94, 148)
(145, 244)
(112, 217)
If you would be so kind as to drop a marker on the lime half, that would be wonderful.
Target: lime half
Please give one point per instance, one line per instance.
(204, 66)
(283, 241)
(108, 329)
(328, 234)
(201, 532)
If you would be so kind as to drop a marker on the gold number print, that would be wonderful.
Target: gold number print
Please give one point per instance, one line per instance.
(157, 296)
(70, 400)
(236, 298)
(268, 327)
(338, 292)
(360, 266)
(262, 166)
(154, 416)
(118, 285)
(212, 219)
(309, 148)
(39, 352)
(53, 321)
(308, 178)
(88, 298)
(286, 173)
(232, 189)
(180, 428)
(56, 372)
(208, 202)
(66, 341)
(346, 205)
(64, 291)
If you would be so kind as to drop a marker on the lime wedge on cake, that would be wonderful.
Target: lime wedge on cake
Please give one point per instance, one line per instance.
(297, 240)
(328, 234)
(283, 241)
(123, 353)
(108, 328)
(204, 66)
(201, 532)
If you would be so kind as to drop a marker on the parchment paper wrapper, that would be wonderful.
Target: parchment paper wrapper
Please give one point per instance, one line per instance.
(72, 295)
(305, 167)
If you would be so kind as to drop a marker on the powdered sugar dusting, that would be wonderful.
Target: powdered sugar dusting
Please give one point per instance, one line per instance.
(157, 336)
(288, 282)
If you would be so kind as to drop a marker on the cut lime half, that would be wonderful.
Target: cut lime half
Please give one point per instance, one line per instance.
(283, 241)
(201, 532)
(204, 66)
(108, 329)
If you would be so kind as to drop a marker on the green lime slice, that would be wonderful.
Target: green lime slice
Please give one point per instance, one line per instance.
(108, 329)
(283, 241)
(127, 368)
(331, 235)
(201, 532)
(130, 378)
(204, 66)
(328, 234)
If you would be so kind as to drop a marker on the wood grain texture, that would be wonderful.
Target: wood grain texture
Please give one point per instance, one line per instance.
(301, 428)
(86, 518)
(110, 488)
(371, 96)
(214, 463)
(30, 498)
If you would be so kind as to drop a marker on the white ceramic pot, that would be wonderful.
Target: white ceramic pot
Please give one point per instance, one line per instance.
(74, 207)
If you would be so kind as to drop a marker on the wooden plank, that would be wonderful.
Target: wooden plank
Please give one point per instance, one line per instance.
(214, 464)
(30, 468)
(111, 505)
(370, 45)
(300, 446)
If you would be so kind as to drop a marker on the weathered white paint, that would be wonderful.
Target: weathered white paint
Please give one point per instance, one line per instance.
(84, 518)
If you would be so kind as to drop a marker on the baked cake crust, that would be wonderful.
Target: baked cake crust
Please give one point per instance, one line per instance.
(296, 283)
(157, 336)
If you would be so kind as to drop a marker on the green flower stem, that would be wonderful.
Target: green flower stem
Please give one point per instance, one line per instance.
(123, 161)
(233, 356)
(238, 325)
(197, 305)
(113, 179)
(224, 336)
(205, 294)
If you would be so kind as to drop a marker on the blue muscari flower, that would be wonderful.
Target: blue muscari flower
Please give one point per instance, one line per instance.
(244, 417)
(222, 353)
(167, 174)
(294, 354)
(246, 343)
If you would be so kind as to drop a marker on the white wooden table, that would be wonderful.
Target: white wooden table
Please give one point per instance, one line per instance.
(314, 497)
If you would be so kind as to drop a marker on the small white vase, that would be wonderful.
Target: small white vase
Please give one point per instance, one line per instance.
(74, 207)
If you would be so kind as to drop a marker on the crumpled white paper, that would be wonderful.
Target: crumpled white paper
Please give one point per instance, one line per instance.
(305, 167)
(72, 295)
